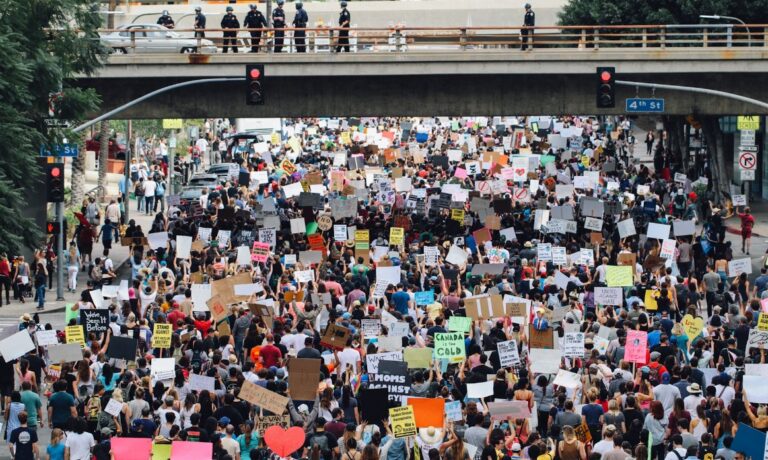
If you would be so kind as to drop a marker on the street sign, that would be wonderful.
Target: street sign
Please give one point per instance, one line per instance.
(747, 137)
(747, 160)
(644, 105)
(748, 148)
(56, 123)
(747, 174)
(748, 122)
(60, 150)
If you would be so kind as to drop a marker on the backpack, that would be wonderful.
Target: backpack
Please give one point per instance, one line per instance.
(321, 440)
(160, 190)
(102, 451)
(196, 362)
(93, 409)
(653, 376)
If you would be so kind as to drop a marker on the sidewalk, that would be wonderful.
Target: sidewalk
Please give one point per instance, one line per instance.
(759, 209)
(119, 255)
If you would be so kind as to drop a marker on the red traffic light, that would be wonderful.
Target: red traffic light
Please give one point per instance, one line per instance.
(255, 73)
(605, 76)
(55, 172)
(51, 228)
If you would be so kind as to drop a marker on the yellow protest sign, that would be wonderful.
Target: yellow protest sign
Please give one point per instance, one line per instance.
(161, 336)
(345, 138)
(305, 185)
(694, 325)
(396, 236)
(295, 144)
(762, 323)
(275, 140)
(403, 421)
(173, 123)
(457, 215)
(287, 166)
(747, 122)
(586, 161)
(362, 236)
(650, 299)
(75, 334)
(619, 276)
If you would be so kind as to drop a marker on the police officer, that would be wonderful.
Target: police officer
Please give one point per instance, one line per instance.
(300, 23)
(229, 21)
(278, 23)
(255, 20)
(344, 19)
(166, 20)
(199, 22)
(529, 20)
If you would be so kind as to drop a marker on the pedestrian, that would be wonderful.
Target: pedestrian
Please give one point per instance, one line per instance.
(231, 24)
(150, 187)
(344, 21)
(278, 23)
(747, 222)
(300, 20)
(159, 196)
(55, 449)
(5, 279)
(649, 139)
(166, 20)
(23, 441)
(199, 23)
(529, 20)
(41, 277)
(254, 20)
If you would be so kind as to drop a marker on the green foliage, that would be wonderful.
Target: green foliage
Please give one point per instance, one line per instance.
(635, 12)
(45, 44)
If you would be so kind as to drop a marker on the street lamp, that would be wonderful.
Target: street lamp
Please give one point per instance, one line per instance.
(717, 17)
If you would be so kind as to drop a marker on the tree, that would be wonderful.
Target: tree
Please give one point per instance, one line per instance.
(45, 44)
(637, 12)
(103, 158)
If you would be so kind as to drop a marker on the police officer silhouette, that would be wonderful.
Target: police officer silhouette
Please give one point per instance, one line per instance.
(199, 22)
(255, 20)
(300, 23)
(278, 22)
(344, 20)
(229, 21)
(529, 20)
(166, 20)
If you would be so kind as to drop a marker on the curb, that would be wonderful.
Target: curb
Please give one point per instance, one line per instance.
(737, 231)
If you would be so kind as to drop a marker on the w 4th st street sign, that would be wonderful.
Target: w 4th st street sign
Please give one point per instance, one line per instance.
(644, 105)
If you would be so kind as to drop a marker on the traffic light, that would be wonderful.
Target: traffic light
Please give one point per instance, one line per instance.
(254, 75)
(52, 228)
(54, 178)
(606, 87)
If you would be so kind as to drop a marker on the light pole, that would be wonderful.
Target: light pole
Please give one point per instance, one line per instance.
(717, 17)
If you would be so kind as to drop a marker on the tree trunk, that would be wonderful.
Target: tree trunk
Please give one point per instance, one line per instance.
(78, 177)
(103, 158)
(715, 151)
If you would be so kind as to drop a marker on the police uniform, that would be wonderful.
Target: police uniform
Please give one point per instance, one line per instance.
(300, 23)
(278, 22)
(229, 21)
(166, 20)
(344, 21)
(255, 20)
(527, 34)
(199, 25)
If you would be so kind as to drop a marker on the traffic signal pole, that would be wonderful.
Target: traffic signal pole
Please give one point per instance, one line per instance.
(60, 244)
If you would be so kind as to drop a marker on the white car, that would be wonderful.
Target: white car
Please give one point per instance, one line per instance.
(153, 38)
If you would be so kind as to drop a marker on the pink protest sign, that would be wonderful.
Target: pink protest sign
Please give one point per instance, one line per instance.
(260, 252)
(637, 345)
(130, 448)
(764, 305)
(461, 173)
(184, 450)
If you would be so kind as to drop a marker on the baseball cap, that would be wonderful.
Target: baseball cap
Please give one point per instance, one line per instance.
(224, 421)
(516, 447)
(665, 377)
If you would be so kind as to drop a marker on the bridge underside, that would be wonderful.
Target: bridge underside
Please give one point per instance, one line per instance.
(421, 95)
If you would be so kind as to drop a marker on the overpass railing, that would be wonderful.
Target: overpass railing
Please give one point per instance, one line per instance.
(402, 39)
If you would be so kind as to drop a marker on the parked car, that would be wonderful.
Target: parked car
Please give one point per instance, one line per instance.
(221, 170)
(153, 38)
(203, 180)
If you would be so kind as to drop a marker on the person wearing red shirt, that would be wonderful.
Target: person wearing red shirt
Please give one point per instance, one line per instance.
(747, 222)
(5, 279)
(175, 315)
(270, 354)
(202, 324)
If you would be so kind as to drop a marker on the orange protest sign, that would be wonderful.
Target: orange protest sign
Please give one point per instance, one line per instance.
(428, 411)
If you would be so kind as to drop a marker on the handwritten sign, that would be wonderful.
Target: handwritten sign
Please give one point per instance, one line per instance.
(161, 335)
(75, 334)
(449, 345)
(637, 344)
(262, 397)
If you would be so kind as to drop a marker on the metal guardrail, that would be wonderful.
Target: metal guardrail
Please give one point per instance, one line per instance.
(326, 39)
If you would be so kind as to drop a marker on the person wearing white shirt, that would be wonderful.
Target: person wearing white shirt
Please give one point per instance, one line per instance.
(724, 392)
(693, 400)
(349, 356)
(601, 270)
(150, 186)
(606, 444)
(79, 441)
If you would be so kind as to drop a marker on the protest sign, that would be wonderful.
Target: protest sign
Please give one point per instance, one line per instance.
(402, 421)
(122, 348)
(573, 345)
(509, 410)
(508, 353)
(335, 337)
(449, 345)
(394, 376)
(636, 346)
(540, 338)
(418, 358)
(67, 353)
(75, 334)
(263, 398)
(428, 411)
(619, 276)
(372, 359)
(303, 378)
(161, 335)
(459, 324)
(96, 321)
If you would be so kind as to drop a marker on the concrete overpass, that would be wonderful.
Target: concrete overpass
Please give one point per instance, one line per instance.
(468, 82)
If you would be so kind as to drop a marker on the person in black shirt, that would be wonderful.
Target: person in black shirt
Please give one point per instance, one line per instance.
(23, 440)
(194, 433)
(255, 20)
(229, 21)
(230, 413)
(166, 20)
(278, 22)
(199, 23)
(344, 20)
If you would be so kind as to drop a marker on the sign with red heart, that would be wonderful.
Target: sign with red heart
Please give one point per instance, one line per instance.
(284, 442)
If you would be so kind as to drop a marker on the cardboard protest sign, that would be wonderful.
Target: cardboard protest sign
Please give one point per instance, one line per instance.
(303, 378)
(94, 320)
(449, 345)
(335, 337)
(418, 358)
(636, 347)
(122, 348)
(540, 339)
(484, 307)
(68, 353)
(428, 411)
(582, 433)
(265, 399)
(161, 335)
(47, 338)
(403, 421)
(263, 422)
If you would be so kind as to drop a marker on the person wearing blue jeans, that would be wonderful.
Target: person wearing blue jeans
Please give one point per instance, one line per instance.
(41, 275)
